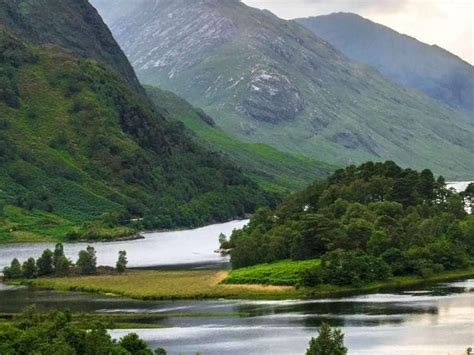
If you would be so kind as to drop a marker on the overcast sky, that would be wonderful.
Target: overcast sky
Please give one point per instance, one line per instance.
(447, 23)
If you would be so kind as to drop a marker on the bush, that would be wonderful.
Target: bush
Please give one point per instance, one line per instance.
(352, 268)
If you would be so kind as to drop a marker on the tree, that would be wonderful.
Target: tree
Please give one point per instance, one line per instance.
(58, 253)
(161, 351)
(14, 271)
(87, 262)
(45, 263)
(29, 269)
(122, 261)
(133, 344)
(329, 342)
(62, 266)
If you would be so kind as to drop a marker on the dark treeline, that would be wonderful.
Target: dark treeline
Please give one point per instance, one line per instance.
(57, 333)
(367, 223)
(55, 263)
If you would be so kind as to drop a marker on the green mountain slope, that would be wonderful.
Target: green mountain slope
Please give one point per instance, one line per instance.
(71, 24)
(273, 81)
(272, 169)
(430, 69)
(82, 155)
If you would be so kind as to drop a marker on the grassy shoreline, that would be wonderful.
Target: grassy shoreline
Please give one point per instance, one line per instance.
(207, 284)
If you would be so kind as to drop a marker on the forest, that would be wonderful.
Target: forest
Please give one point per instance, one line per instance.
(365, 223)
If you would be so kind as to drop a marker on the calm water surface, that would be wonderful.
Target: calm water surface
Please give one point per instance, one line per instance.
(160, 248)
(437, 319)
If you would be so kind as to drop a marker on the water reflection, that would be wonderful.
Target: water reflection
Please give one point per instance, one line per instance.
(184, 247)
(434, 319)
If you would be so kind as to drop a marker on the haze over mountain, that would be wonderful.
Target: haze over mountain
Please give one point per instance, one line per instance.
(77, 144)
(269, 80)
(430, 69)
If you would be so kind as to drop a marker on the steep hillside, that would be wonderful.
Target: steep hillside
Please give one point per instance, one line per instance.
(272, 169)
(81, 154)
(70, 24)
(273, 81)
(430, 69)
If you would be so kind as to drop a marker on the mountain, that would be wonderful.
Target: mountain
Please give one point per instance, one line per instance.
(271, 169)
(81, 152)
(430, 69)
(272, 81)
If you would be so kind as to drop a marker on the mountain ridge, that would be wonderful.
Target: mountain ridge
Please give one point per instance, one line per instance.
(401, 57)
(268, 80)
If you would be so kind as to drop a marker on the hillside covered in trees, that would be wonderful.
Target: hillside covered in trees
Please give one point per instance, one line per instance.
(366, 223)
(83, 151)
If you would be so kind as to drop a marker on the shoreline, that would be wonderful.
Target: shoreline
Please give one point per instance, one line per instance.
(207, 284)
(136, 235)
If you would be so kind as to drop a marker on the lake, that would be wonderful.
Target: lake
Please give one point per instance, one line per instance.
(436, 319)
(426, 320)
(187, 247)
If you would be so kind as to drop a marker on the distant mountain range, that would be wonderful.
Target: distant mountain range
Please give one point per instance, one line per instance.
(264, 79)
(430, 69)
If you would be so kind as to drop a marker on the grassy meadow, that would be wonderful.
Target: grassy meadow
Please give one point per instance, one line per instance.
(212, 284)
(285, 272)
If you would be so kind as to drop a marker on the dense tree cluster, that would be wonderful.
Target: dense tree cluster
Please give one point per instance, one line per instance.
(57, 333)
(366, 222)
(55, 263)
(104, 157)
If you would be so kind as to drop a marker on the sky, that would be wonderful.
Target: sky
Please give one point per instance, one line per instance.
(447, 23)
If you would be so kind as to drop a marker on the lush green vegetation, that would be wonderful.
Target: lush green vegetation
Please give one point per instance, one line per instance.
(272, 169)
(366, 223)
(84, 158)
(328, 342)
(285, 272)
(57, 333)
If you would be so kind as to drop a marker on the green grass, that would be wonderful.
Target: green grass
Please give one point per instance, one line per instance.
(285, 272)
(207, 284)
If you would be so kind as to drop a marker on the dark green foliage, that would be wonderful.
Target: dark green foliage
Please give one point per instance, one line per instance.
(345, 268)
(45, 263)
(367, 222)
(62, 266)
(134, 345)
(57, 254)
(122, 261)
(56, 333)
(328, 342)
(14, 271)
(29, 269)
(80, 145)
(87, 261)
